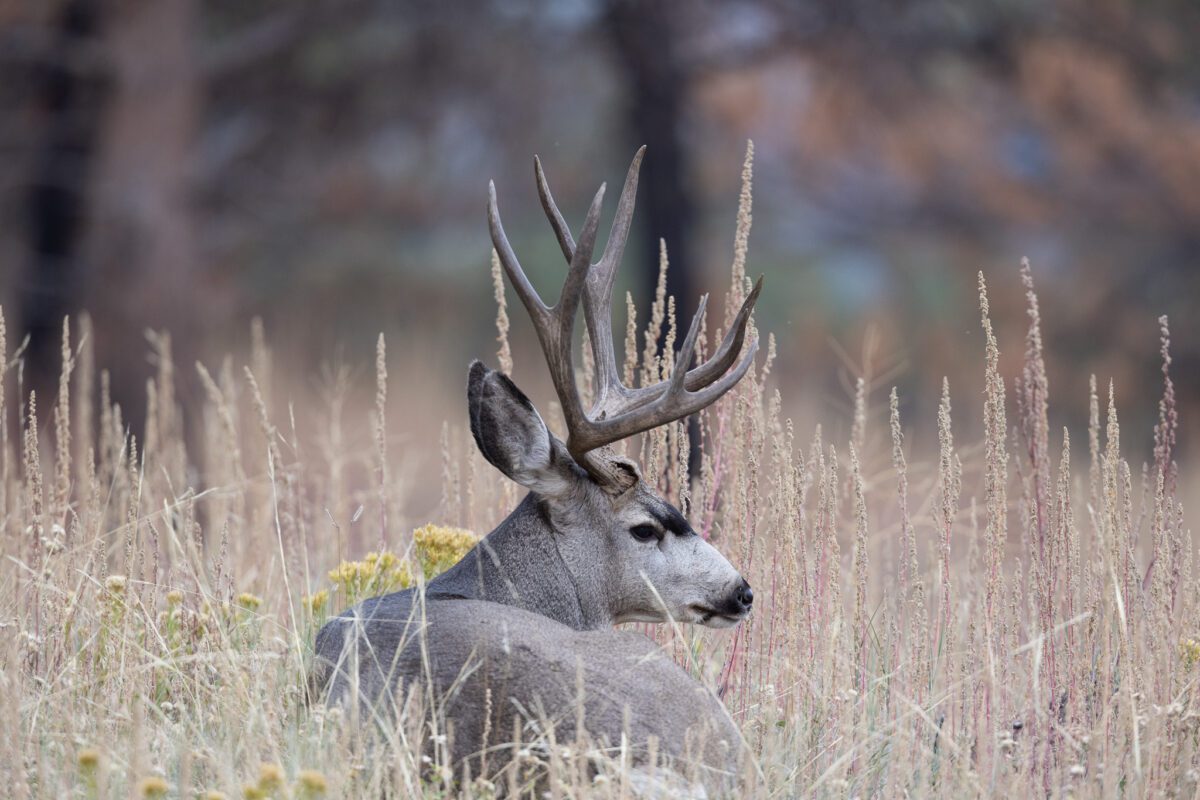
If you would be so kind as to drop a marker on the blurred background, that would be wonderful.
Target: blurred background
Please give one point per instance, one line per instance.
(324, 166)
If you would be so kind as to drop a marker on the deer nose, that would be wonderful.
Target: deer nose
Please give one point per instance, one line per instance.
(745, 595)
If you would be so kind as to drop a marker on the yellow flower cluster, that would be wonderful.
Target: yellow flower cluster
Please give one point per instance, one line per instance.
(115, 603)
(436, 548)
(315, 603)
(1189, 651)
(440, 547)
(270, 777)
(248, 601)
(272, 783)
(88, 758)
(270, 780)
(376, 574)
(152, 787)
(312, 784)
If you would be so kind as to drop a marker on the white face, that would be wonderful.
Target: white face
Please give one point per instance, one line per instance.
(659, 567)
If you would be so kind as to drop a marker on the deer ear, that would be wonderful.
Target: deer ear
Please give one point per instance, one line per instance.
(511, 434)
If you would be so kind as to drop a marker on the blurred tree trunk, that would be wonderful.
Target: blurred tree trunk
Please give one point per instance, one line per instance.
(142, 240)
(644, 39)
(646, 42)
(70, 105)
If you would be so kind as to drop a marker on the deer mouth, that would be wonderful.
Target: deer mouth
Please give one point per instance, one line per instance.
(711, 618)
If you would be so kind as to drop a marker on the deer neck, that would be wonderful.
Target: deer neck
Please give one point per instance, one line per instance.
(520, 564)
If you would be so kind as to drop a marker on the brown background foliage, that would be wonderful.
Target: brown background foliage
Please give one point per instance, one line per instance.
(323, 165)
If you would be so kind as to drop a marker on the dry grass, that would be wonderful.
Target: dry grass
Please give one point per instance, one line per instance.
(992, 624)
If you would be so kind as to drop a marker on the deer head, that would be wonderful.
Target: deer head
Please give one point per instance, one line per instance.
(625, 547)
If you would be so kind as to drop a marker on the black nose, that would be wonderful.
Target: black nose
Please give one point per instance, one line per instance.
(745, 595)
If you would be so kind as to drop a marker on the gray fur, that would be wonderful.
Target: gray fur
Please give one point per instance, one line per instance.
(525, 668)
(519, 565)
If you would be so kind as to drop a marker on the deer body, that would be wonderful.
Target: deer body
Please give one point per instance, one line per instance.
(517, 637)
(500, 674)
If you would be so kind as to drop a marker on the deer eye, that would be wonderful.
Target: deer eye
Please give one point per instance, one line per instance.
(644, 533)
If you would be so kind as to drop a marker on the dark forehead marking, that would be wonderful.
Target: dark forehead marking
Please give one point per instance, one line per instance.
(669, 517)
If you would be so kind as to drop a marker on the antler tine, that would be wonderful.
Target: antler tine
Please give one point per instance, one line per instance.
(558, 352)
(676, 402)
(581, 264)
(688, 352)
(561, 231)
(554, 326)
(598, 300)
(717, 363)
(730, 346)
(614, 249)
(597, 308)
(508, 259)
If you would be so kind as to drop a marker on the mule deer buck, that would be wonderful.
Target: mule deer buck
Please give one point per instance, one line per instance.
(517, 637)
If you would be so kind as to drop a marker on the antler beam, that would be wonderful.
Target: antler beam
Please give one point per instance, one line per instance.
(598, 303)
(619, 411)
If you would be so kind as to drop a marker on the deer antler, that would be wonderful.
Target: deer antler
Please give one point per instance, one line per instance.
(619, 411)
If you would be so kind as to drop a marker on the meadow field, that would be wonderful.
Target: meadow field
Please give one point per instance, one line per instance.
(1015, 616)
